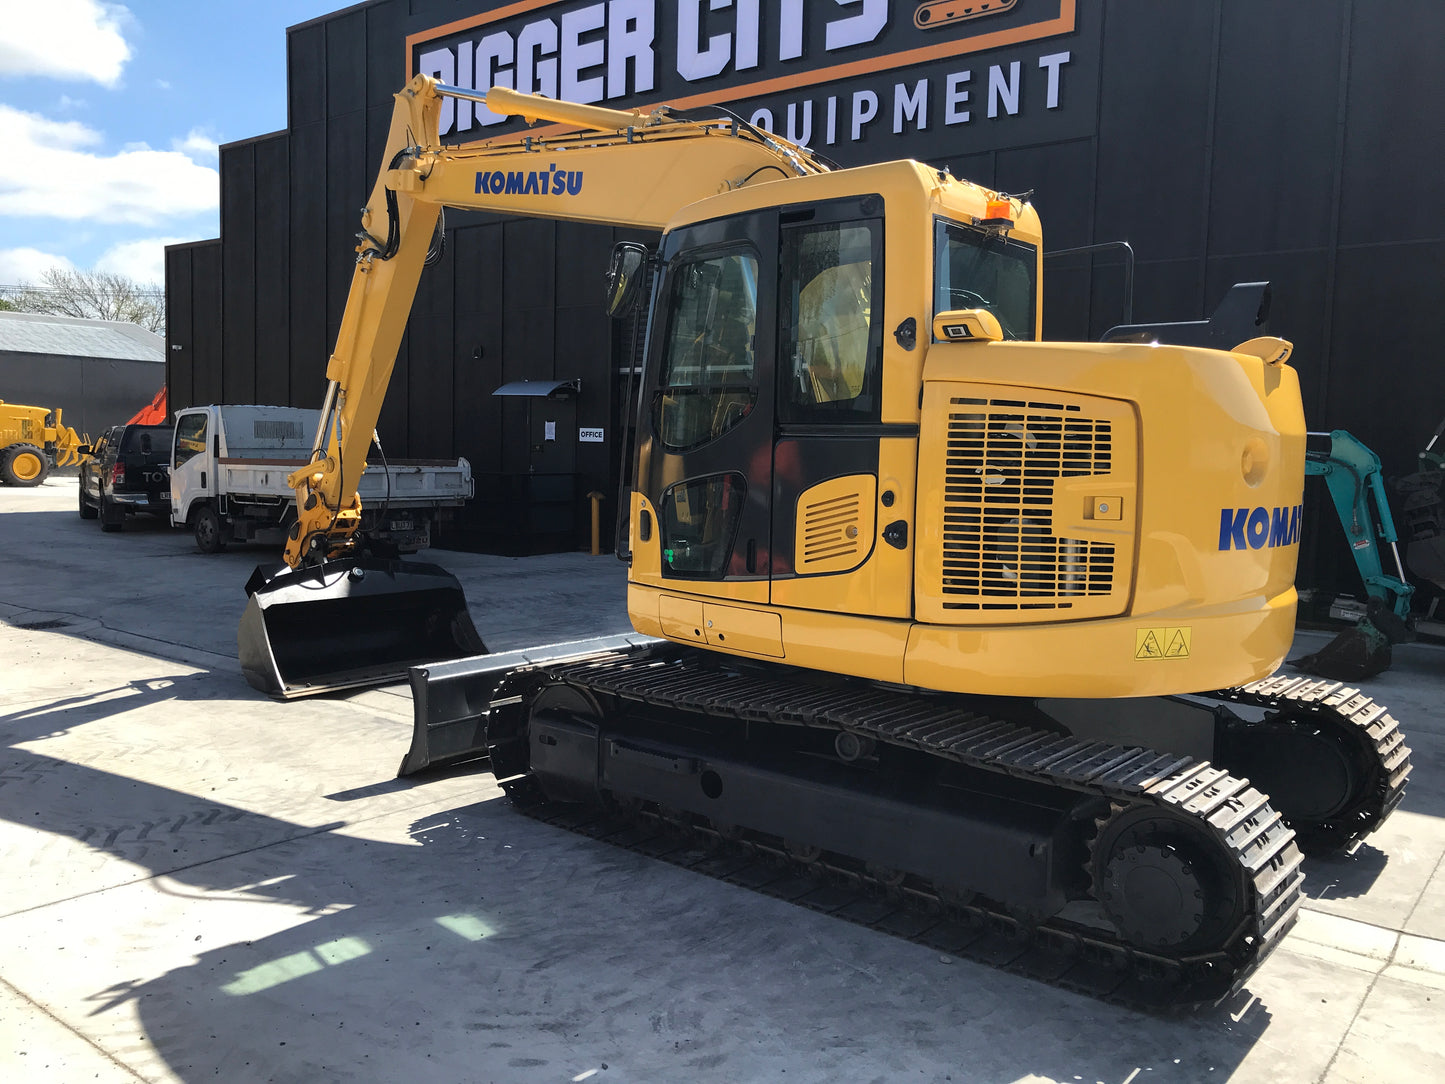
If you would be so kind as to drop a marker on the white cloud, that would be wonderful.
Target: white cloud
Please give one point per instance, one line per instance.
(65, 39)
(19, 265)
(39, 131)
(198, 144)
(47, 171)
(143, 261)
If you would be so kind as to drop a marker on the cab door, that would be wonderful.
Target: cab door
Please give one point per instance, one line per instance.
(827, 493)
(192, 468)
(706, 449)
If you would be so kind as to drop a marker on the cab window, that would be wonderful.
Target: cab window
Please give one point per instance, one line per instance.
(190, 437)
(699, 521)
(709, 366)
(977, 270)
(831, 327)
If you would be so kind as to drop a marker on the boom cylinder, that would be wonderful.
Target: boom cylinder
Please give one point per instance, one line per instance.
(534, 107)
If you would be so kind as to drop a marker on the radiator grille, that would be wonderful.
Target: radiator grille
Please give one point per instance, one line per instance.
(1003, 458)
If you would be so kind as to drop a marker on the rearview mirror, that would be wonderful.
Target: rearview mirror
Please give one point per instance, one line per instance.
(85, 449)
(624, 277)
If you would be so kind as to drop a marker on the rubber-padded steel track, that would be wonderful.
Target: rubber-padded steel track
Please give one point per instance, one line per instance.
(1236, 816)
(1368, 731)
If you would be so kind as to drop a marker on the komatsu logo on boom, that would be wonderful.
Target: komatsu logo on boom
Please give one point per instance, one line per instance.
(1256, 528)
(546, 182)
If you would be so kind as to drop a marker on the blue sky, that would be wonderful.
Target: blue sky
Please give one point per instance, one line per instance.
(111, 114)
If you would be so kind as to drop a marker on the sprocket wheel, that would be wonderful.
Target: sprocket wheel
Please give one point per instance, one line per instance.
(1166, 886)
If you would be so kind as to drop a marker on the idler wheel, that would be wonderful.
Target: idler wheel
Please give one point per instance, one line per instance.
(1165, 885)
(1321, 780)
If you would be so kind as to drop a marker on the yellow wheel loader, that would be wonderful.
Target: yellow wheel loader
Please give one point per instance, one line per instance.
(922, 603)
(34, 441)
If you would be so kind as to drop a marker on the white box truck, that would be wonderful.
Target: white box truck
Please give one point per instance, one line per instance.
(228, 481)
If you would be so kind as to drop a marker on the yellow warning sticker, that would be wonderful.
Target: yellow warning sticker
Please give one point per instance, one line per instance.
(1165, 643)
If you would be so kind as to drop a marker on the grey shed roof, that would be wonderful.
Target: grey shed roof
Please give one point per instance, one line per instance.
(66, 336)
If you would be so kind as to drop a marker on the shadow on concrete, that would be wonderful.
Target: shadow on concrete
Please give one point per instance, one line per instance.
(145, 523)
(489, 946)
(55, 717)
(492, 965)
(1423, 793)
(1339, 876)
(150, 582)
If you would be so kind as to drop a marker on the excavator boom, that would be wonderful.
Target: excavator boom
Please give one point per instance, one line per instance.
(638, 173)
(624, 169)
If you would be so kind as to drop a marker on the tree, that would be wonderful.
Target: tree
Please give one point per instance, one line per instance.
(94, 295)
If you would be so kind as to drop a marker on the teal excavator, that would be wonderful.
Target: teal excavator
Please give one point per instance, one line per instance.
(1353, 475)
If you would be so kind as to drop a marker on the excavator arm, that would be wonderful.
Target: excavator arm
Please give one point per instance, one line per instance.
(621, 169)
(330, 617)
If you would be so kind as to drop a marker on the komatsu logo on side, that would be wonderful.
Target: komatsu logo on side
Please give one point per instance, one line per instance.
(1256, 528)
(550, 181)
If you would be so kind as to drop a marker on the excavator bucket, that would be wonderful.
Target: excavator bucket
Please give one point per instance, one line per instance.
(350, 624)
(1357, 653)
(1363, 650)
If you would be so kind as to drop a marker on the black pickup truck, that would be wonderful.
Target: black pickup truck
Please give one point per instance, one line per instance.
(128, 472)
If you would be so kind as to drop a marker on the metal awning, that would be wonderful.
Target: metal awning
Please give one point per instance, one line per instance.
(541, 389)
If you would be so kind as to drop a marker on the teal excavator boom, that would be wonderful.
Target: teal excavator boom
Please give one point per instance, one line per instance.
(1356, 484)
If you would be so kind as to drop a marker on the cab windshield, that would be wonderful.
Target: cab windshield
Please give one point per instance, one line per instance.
(973, 269)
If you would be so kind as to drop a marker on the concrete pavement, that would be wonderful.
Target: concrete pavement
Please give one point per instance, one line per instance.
(201, 883)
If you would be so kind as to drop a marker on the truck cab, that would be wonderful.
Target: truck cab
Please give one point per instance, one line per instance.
(229, 470)
(210, 442)
(195, 448)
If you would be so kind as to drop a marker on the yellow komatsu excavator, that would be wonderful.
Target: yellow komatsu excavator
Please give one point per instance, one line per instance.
(922, 602)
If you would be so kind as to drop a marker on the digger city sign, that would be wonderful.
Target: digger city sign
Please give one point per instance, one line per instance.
(823, 72)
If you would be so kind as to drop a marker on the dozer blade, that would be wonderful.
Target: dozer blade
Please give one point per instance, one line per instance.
(350, 624)
(452, 701)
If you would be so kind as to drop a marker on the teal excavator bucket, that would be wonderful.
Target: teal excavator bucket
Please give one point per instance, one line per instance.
(350, 624)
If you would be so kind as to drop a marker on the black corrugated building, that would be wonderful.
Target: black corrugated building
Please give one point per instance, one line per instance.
(1296, 141)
